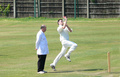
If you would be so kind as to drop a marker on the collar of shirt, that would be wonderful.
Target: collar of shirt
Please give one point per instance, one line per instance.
(41, 31)
(60, 25)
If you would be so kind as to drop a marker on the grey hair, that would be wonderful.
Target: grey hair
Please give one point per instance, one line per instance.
(43, 26)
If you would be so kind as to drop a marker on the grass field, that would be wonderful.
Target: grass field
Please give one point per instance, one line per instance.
(95, 37)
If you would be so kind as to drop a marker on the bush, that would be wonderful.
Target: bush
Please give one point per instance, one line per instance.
(4, 11)
(94, 1)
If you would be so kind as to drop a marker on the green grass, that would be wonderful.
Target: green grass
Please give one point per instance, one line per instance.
(95, 37)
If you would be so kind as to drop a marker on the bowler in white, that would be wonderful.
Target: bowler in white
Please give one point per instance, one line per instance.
(64, 30)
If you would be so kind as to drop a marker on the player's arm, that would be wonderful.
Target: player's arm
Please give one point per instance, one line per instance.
(69, 28)
(63, 27)
(65, 22)
(38, 39)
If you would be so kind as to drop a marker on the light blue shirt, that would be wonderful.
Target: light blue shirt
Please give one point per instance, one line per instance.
(41, 44)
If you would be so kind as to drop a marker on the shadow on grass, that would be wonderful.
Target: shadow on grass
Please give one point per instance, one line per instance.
(75, 71)
(3, 55)
(114, 72)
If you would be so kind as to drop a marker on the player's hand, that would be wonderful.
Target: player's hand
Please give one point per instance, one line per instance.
(35, 49)
(65, 17)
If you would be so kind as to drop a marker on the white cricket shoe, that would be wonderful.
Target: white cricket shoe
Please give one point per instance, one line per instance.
(68, 58)
(42, 72)
(53, 67)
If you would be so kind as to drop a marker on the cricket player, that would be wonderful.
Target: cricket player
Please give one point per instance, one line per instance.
(64, 30)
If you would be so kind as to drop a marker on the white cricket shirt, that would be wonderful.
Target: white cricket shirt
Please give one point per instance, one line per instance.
(64, 33)
(41, 43)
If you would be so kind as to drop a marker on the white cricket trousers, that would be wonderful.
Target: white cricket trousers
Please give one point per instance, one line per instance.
(65, 45)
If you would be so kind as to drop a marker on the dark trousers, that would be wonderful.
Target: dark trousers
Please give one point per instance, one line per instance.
(41, 62)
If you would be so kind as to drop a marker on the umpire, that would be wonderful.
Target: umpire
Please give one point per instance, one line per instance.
(42, 49)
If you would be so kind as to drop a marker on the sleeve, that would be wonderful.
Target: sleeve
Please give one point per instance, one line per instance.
(59, 29)
(38, 39)
(68, 30)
